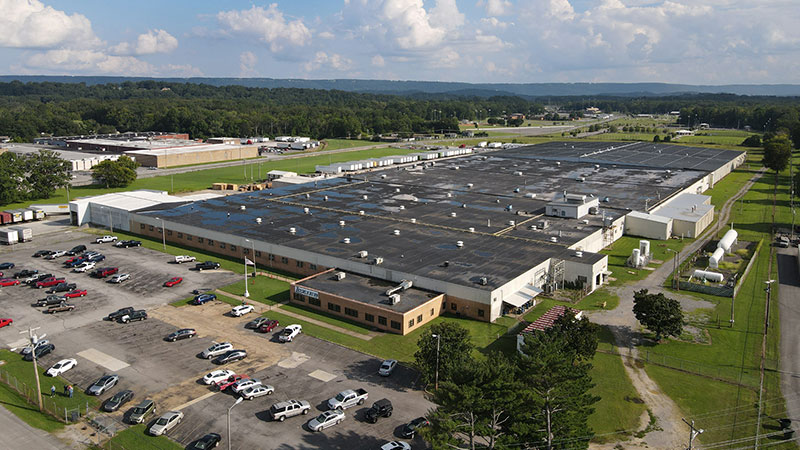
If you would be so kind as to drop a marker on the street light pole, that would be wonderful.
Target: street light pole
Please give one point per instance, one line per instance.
(163, 234)
(238, 400)
(34, 339)
(674, 269)
(769, 291)
(438, 340)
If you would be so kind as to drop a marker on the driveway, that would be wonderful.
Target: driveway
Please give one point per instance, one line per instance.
(789, 311)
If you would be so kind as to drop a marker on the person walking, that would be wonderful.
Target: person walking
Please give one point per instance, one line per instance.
(71, 390)
(52, 390)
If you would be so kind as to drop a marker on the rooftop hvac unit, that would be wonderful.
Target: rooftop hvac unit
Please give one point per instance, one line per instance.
(402, 207)
(258, 220)
(361, 213)
(459, 244)
(483, 281)
(463, 205)
(242, 207)
(377, 261)
(594, 210)
(413, 220)
(469, 185)
(292, 230)
(512, 223)
(579, 254)
(516, 191)
(341, 223)
(518, 173)
(346, 241)
(394, 299)
(405, 284)
(306, 210)
(340, 276)
(397, 190)
(449, 195)
(363, 254)
(553, 239)
(543, 224)
(396, 232)
(365, 197)
(471, 229)
(325, 198)
(452, 214)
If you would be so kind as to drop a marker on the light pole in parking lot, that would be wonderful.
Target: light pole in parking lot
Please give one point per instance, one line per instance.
(163, 234)
(438, 340)
(238, 400)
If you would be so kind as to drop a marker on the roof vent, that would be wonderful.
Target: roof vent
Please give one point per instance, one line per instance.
(341, 223)
(394, 299)
(325, 198)
(449, 195)
(258, 220)
(463, 205)
(516, 191)
(242, 207)
(579, 254)
(363, 254)
(471, 229)
(483, 281)
(396, 232)
(469, 185)
(308, 195)
(292, 230)
(361, 213)
(518, 173)
(446, 264)
(452, 214)
(306, 210)
(558, 163)
(402, 207)
(383, 176)
(397, 190)
(365, 197)
(413, 220)
(346, 241)
(340, 276)
(459, 244)
(377, 261)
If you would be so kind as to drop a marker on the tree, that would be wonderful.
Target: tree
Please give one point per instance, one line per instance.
(656, 138)
(46, 172)
(578, 335)
(119, 173)
(658, 313)
(13, 185)
(455, 351)
(753, 141)
(777, 152)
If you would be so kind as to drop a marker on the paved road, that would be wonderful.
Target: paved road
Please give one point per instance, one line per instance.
(18, 435)
(789, 310)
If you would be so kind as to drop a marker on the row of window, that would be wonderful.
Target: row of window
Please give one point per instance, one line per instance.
(454, 307)
(354, 312)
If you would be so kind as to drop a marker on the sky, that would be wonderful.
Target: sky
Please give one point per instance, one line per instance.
(520, 41)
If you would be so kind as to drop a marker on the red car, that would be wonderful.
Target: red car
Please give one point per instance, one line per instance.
(222, 385)
(8, 282)
(5, 322)
(104, 272)
(47, 282)
(76, 293)
(268, 326)
(173, 281)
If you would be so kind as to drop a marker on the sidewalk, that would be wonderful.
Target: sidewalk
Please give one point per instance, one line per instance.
(18, 435)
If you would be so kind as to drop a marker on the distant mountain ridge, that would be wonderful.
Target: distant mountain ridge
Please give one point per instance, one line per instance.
(397, 87)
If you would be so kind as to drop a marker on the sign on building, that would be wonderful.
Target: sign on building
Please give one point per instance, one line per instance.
(307, 292)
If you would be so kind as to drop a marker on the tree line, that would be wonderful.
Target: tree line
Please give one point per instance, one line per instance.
(31, 176)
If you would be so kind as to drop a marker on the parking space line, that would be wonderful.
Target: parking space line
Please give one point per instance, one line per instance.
(101, 359)
(192, 402)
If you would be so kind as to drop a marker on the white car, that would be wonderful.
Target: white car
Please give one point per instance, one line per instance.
(83, 267)
(217, 349)
(290, 333)
(325, 420)
(217, 375)
(387, 367)
(166, 422)
(61, 367)
(396, 445)
(56, 254)
(241, 310)
(120, 277)
(103, 239)
(257, 391)
(245, 383)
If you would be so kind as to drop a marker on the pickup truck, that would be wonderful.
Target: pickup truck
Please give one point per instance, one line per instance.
(60, 308)
(51, 300)
(184, 258)
(103, 239)
(348, 398)
(139, 314)
(207, 265)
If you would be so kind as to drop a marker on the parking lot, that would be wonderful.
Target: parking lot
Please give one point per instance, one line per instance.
(169, 373)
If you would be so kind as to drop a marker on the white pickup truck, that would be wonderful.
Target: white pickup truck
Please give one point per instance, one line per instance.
(184, 258)
(103, 239)
(348, 398)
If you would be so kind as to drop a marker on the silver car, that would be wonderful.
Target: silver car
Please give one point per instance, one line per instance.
(257, 391)
(327, 419)
(217, 349)
(119, 278)
(166, 422)
(105, 383)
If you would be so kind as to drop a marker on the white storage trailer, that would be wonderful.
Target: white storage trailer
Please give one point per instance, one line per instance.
(24, 234)
(8, 236)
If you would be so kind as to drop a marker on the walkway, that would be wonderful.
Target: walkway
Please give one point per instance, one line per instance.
(18, 435)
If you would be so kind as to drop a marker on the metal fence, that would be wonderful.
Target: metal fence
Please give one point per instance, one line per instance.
(50, 405)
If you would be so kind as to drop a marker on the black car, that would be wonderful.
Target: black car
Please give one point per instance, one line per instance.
(41, 253)
(40, 278)
(207, 265)
(134, 316)
(6, 265)
(51, 300)
(119, 399)
(62, 287)
(77, 250)
(411, 428)
(210, 440)
(381, 408)
(126, 244)
(183, 333)
(230, 356)
(25, 273)
(96, 258)
(40, 351)
(119, 313)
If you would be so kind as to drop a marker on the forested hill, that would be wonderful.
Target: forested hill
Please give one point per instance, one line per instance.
(398, 87)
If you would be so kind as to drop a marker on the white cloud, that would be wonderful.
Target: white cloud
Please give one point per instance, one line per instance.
(154, 41)
(31, 24)
(89, 62)
(247, 62)
(496, 7)
(267, 25)
(378, 61)
(494, 22)
(333, 61)
(326, 35)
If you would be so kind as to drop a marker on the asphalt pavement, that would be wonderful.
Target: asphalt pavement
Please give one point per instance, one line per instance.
(18, 435)
(789, 310)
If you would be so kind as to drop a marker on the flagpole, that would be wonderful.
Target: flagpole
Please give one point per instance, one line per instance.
(246, 292)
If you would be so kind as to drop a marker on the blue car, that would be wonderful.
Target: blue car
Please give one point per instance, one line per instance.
(204, 298)
(6, 265)
(97, 258)
(75, 263)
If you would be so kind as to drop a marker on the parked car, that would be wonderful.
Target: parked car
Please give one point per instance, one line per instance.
(5, 282)
(210, 440)
(40, 351)
(217, 349)
(130, 243)
(290, 333)
(140, 412)
(256, 323)
(290, 408)
(76, 293)
(62, 287)
(183, 333)
(396, 445)
(257, 391)
(104, 239)
(268, 326)
(116, 315)
(241, 385)
(61, 367)
(105, 272)
(217, 376)
(61, 307)
(75, 260)
(38, 344)
(56, 254)
(225, 384)
(203, 298)
(207, 265)
(5, 321)
(51, 300)
(117, 400)
(348, 398)
(119, 278)
(78, 249)
(96, 258)
(387, 367)
(49, 282)
(381, 408)
(134, 316)
(241, 310)
(25, 273)
(410, 429)
(103, 384)
(180, 259)
(231, 356)
(6, 266)
(166, 422)
(41, 253)
(31, 281)
(173, 281)
(326, 419)
(84, 266)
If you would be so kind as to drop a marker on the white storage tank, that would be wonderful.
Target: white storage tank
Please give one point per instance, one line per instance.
(728, 240)
(716, 257)
(636, 257)
(710, 276)
(644, 248)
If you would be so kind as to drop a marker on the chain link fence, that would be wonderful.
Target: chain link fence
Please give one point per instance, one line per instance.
(51, 404)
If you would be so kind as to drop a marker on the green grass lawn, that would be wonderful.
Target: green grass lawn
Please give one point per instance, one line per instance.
(27, 412)
(136, 438)
(262, 289)
(337, 321)
(337, 144)
(619, 252)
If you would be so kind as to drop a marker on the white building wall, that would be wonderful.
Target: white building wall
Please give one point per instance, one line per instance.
(651, 229)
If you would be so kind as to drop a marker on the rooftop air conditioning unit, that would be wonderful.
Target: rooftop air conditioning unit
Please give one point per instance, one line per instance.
(396, 232)
(483, 281)
(341, 223)
(459, 244)
(394, 299)
(258, 220)
(242, 207)
(377, 261)
(306, 210)
(340, 276)
(292, 230)
(579, 254)
(346, 240)
(363, 254)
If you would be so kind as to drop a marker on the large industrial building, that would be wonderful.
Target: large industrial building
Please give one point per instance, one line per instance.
(475, 235)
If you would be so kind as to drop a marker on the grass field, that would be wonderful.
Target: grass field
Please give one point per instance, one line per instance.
(337, 144)
(619, 252)
(136, 438)
(262, 289)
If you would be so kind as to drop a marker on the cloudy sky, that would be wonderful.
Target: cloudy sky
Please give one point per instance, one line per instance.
(676, 41)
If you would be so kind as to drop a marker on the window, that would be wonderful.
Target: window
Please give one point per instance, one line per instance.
(246, 250)
(312, 266)
(351, 312)
(210, 242)
(431, 312)
(271, 257)
(180, 235)
(199, 240)
(141, 225)
(221, 245)
(410, 323)
(563, 213)
(313, 301)
(369, 317)
(419, 318)
(299, 264)
(233, 248)
(150, 228)
(188, 237)
(334, 307)
(300, 297)
(480, 312)
(160, 230)
(284, 260)
(258, 254)
(396, 325)
(169, 232)
(581, 279)
(382, 320)
(453, 306)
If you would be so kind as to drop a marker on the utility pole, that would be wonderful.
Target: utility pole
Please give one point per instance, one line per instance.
(693, 432)
(34, 339)
(769, 290)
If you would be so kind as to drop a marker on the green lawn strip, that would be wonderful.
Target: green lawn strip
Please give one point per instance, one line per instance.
(136, 437)
(183, 302)
(337, 144)
(262, 289)
(28, 413)
(620, 250)
(339, 322)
